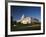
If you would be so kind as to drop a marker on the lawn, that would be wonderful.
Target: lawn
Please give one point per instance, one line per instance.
(23, 27)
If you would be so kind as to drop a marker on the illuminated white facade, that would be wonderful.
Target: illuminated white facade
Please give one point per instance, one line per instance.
(27, 20)
(24, 20)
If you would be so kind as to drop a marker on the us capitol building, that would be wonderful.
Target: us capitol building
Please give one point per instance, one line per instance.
(27, 20)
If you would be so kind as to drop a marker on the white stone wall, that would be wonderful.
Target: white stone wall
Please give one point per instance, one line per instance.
(26, 20)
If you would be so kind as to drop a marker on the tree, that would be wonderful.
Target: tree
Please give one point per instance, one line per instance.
(36, 19)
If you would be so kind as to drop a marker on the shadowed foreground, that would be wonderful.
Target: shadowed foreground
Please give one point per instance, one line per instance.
(25, 27)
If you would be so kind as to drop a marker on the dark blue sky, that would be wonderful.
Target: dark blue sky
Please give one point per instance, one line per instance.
(31, 11)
